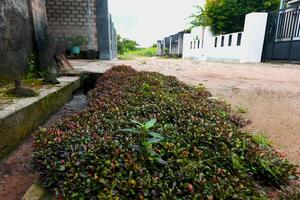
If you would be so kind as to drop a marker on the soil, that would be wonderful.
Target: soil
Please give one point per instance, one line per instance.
(16, 172)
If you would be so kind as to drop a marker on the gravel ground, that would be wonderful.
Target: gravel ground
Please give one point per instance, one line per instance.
(16, 172)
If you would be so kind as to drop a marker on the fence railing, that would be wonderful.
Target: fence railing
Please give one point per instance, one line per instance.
(288, 24)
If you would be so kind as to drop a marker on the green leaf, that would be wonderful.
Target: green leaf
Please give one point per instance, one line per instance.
(137, 123)
(150, 124)
(151, 152)
(153, 141)
(156, 135)
(161, 161)
(62, 168)
(130, 130)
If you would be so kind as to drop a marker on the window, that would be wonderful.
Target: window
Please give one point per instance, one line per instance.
(194, 44)
(239, 39)
(222, 41)
(191, 45)
(216, 42)
(230, 40)
(198, 44)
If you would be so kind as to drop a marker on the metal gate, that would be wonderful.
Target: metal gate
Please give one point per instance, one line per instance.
(282, 40)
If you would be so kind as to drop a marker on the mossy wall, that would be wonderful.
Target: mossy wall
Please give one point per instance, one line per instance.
(15, 128)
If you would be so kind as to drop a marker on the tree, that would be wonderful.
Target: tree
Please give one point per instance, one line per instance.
(199, 18)
(125, 45)
(226, 16)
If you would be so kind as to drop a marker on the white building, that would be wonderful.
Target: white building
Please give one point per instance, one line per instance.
(246, 46)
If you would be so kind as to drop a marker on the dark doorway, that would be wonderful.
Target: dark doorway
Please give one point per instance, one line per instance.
(282, 40)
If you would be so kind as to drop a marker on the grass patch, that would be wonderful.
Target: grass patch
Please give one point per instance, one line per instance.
(150, 136)
(6, 97)
(261, 140)
(144, 52)
(241, 110)
(5, 80)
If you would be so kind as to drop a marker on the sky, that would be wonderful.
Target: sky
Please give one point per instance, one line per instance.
(147, 21)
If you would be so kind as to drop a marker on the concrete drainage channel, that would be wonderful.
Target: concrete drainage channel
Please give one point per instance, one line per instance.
(18, 120)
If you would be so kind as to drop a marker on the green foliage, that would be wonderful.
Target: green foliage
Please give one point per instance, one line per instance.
(33, 70)
(261, 140)
(149, 136)
(146, 146)
(128, 49)
(4, 80)
(126, 45)
(227, 16)
(32, 67)
(77, 40)
(242, 110)
(199, 18)
(142, 52)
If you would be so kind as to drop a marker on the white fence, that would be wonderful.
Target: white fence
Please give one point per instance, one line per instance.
(243, 46)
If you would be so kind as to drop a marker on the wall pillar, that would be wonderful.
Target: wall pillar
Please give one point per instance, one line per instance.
(253, 37)
(104, 30)
(170, 48)
(164, 47)
(159, 50)
(45, 47)
(180, 44)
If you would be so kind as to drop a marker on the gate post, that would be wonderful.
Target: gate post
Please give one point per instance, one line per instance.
(253, 37)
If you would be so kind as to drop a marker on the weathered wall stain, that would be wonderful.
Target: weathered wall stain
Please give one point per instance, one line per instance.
(15, 36)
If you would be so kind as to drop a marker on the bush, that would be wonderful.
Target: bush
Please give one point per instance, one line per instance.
(149, 136)
(142, 52)
(78, 40)
(126, 45)
(227, 16)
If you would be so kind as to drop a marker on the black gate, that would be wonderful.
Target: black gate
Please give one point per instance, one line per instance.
(282, 40)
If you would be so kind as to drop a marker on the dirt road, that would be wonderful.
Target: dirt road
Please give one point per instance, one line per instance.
(270, 92)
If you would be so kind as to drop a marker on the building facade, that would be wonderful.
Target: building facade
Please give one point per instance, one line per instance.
(243, 47)
(88, 18)
(25, 24)
(171, 45)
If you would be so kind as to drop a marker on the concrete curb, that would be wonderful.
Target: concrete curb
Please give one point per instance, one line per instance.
(37, 192)
(19, 119)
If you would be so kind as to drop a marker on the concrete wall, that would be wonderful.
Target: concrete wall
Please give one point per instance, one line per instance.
(88, 18)
(67, 18)
(193, 43)
(232, 53)
(202, 45)
(15, 36)
(171, 45)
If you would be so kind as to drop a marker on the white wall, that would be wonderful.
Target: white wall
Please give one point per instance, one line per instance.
(191, 50)
(254, 36)
(249, 49)
(228, 52)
